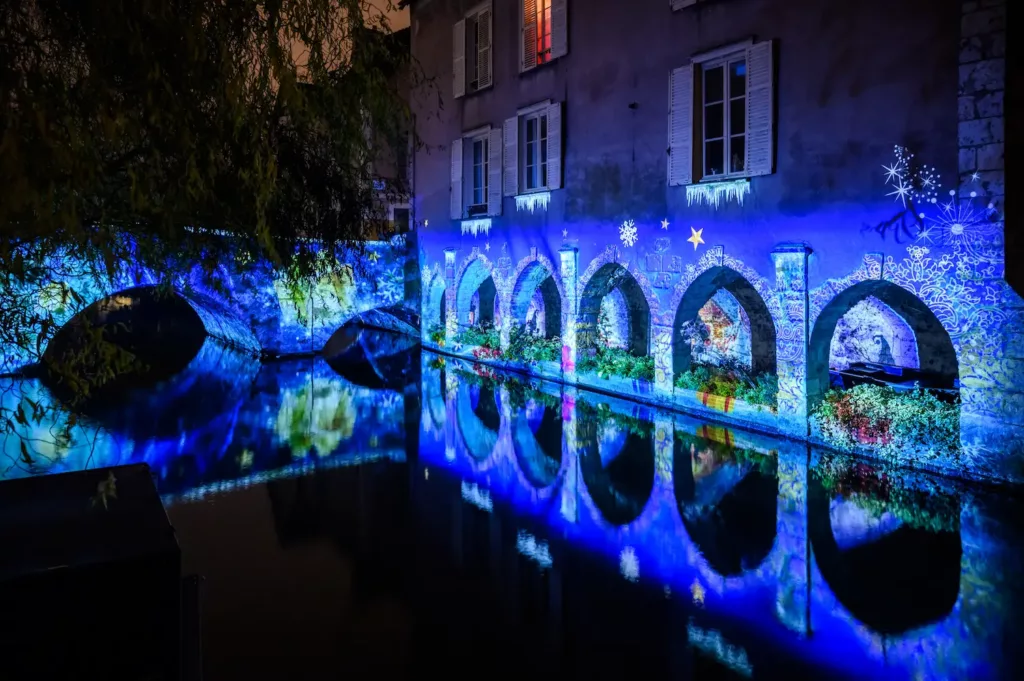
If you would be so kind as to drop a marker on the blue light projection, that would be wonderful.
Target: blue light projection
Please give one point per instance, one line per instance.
(253, 309)
(823, 556)
(930, 250)
(226, 421)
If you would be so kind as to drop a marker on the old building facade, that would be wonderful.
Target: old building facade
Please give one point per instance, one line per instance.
(816, 188)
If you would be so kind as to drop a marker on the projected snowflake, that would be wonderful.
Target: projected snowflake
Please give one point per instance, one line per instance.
(627, 232)
(910, 181)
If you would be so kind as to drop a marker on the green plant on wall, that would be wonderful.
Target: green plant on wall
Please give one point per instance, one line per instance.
(435, 334)
(899, 426)
(318, 417)
(607, 362)
(731, 380)
(524, 345)
(483, 336)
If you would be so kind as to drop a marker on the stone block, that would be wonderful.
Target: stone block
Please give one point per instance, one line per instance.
(989, 184)
(989, 157)
(968, 160)
(980, 132)
(982, 76)
(988, 46)
(966, 110)
(989, 105)
(983, 21)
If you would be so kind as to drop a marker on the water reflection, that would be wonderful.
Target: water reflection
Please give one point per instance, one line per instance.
(224, 421)
(843, 565)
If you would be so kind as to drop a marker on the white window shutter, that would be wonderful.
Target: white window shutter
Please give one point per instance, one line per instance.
(528, 54)
(559, 28)
(495, 171)
(680, 126)
(456, 181)
(760, 108)
(512, 156)
(483, 49)
(554, 114)
(459, 59)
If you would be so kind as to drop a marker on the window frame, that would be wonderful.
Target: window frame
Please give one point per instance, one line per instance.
(470, 140)
(541, 167)
(725, 61)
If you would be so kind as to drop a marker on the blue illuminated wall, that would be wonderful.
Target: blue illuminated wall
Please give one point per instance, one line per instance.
(886, 183)
(254, 311)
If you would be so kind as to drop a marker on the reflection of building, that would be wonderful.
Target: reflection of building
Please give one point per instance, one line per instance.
(772, 189)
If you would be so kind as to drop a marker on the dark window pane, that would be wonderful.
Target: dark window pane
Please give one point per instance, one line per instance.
(738, 151)
(531, 129)
(478, 152)
(738, 116)
(402, 219)
(543, 127)
(713, 84)
(713, 152)
(713, 123)
(737, 79)
(543, 174)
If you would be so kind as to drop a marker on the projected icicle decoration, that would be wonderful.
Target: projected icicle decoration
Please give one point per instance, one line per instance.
(538, 551)
(533, 202)
(714, 193)
(627, 232)
(480, 498)
(476, 227)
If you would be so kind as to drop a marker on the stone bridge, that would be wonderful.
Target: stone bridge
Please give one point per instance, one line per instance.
(252, 308)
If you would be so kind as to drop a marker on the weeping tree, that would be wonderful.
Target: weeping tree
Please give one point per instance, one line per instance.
(180, 136)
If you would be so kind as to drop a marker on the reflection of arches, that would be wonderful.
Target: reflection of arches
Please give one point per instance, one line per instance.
(475, 276)
(613, 276)
(538, 448)
(621, 487)
(894, 583)
(700, 291)
(729, 507)
(536, 278)
(478, 418)
(372, 359)
(936, 355)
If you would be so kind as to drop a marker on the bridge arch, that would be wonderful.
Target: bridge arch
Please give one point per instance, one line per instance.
(935, 353)
(475, 291)
(435, 312)
(608, 276)
(691, 298)
(537, 286)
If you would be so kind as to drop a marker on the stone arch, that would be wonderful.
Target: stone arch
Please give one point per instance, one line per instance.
(435, 312)
(166, 329)
(475, 275)
(608, 273)
(935, 351)
(728, 506)
(891, 576)
(534, 277)
(693, 295)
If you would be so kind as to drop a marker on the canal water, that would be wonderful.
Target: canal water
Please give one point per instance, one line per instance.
(408, 514)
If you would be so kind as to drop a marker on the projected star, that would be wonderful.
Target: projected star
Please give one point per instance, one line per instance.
(975, 176)
(695, 237)
(664, 224)
(487, 246)
(893, 172)
(900, 191)
(565, 233)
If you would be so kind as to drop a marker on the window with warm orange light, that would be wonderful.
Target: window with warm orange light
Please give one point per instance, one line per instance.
(544, 32)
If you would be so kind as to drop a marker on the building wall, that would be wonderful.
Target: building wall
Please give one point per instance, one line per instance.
(826, 229)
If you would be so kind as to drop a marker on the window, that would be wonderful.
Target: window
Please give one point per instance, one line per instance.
(721, 115)
(533, 150)
(476, 174)
(725, 117)
(544, 32)
(471, 52)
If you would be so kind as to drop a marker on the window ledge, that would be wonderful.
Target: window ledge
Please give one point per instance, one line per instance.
(714, 192)
(538, 67)
(533, 201)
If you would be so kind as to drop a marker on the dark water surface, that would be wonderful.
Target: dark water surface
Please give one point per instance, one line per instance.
(407, 516)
